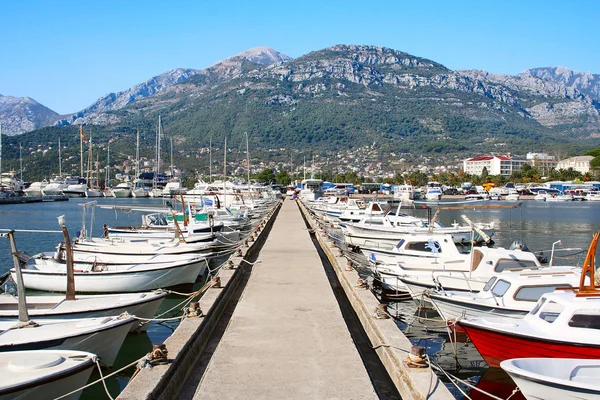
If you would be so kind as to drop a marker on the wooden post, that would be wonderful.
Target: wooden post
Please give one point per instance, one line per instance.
(70, 295)
(23, 314)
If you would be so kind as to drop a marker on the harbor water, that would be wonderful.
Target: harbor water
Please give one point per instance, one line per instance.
(538, 225)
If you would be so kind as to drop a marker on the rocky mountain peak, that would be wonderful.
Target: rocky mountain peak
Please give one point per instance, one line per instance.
(23, 114)
(583, 82)
(262, 55)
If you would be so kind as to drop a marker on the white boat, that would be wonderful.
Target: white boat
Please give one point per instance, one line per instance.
(143, 305)
(102, 336)
(451, 269)
(542, 195)
(59, 183)
(93, 192)
(561, 196)
(51, 275)
(44, 374)
(36, 188)
(510, 293)
(122, 190)
(404, 191)
(140, 192)
(563, 324)
(593, 195)
(513, 195)
(434, 191)
(312, 189)
(173, 187)
(76, 190)
(555, 378)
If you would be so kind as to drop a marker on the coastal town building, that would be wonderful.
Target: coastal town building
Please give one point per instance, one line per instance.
(579, 163)
(495, 165)
(542, 162)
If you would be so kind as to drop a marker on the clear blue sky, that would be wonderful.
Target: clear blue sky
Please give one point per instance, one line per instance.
(67, 54)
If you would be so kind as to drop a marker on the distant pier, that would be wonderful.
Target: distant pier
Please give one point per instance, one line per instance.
(32, 199)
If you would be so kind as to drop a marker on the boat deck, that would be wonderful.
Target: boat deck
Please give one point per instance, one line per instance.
(287, 337)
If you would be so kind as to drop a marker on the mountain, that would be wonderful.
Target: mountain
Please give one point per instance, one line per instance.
(353, 95)
(98, 113)
(348, 96)
(584, 82)
(23, 114)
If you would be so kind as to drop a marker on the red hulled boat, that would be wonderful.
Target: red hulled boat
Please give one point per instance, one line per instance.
(563, 324)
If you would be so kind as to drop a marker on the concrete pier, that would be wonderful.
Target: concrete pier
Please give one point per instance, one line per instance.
(277, 330)
(287, 338)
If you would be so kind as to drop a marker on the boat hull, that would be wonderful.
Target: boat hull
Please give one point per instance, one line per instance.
(100, 336)
(65, 372)
(497, 346)
(143, 305)
(542, 379)
(115, 281)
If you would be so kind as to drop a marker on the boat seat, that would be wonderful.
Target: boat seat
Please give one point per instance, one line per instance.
(585, 374)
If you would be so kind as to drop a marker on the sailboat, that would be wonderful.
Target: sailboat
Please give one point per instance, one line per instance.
(78, 189)
(174, 185)
(156, 189)
(93, 189)
(138, 189)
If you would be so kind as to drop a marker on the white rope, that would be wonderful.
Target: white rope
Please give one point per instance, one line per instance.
(102, 378)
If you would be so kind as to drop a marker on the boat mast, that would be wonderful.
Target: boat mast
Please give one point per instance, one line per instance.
(59, 159)
(158, 150)
(137, 155)
(171, 157)
(21, 160)
(210, 159)
(108, 165)
(90, 174)
(304, 166)
(248, 160)
(225, 174)
(81, 151)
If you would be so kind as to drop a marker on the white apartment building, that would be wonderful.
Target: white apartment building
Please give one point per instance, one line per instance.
(495, 165)
(579, 163)
(542, 162)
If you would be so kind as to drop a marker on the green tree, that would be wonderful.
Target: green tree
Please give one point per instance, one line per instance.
(266, 176)
(283, 178)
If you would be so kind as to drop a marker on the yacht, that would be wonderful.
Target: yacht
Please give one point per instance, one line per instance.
(434, 191)
(59, 183)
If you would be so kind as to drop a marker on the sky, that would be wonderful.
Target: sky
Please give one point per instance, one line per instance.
(67, 54)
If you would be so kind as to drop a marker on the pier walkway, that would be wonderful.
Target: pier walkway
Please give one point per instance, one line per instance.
(287, 337)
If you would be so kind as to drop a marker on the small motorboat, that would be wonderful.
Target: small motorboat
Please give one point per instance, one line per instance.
(44, 374)
(102, 336)
(555, 378)
(562, 324)
(143, 305)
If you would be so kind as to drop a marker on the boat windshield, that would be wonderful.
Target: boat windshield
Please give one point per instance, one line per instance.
(514, 264)
(550, 311)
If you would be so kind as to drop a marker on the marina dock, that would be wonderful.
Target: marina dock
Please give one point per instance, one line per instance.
(275, 328)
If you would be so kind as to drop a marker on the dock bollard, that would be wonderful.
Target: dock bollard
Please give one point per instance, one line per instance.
(215, 282)
(194, 310)
(158, 355)
(231, 264)
(381, 312)
(349, 266)
(415, 357)
(362, 283)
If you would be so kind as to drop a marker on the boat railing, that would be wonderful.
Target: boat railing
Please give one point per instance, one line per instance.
(462, 276)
